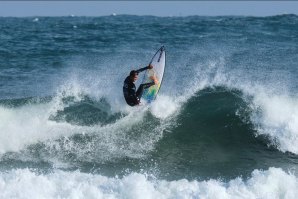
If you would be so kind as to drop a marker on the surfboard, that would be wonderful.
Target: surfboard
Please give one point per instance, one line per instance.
(158, 62)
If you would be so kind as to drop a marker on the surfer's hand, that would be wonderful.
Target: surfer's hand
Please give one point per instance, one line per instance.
(154, 79)
(150, 66)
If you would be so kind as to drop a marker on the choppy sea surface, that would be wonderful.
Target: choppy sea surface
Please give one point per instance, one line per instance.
(224, 125)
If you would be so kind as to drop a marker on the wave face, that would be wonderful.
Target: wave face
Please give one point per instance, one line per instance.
(225, 122)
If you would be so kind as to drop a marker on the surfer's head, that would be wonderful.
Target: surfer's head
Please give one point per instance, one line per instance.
(133, 75)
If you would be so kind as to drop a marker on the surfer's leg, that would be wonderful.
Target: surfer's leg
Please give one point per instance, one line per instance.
(130, 101)
(140, 90)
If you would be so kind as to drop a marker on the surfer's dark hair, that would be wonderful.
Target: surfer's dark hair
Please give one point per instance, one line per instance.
(133, 73)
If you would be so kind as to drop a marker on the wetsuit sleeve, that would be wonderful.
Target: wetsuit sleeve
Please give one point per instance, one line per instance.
(142, 69)
(147, 85)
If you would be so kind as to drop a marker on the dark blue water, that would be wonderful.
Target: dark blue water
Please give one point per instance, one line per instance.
(228, 106)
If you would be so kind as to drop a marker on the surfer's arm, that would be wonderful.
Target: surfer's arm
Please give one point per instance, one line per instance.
(145, 68)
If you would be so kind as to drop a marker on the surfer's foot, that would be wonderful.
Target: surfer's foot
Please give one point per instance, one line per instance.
(154, 79)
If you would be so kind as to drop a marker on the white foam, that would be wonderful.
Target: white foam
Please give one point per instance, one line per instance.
(26, 125)
(164, 107)
(278, 118)
(23, 183)
(30, 123)
(274, 113)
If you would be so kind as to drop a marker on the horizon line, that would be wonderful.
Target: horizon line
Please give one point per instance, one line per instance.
(160, 16)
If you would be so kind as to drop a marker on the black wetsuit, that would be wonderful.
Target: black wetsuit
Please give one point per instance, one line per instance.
(132, 97)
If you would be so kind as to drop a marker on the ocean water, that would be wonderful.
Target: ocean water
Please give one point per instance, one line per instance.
(224, 125)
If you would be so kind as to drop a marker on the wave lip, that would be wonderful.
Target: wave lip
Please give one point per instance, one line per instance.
(277, 116)
(23, 183)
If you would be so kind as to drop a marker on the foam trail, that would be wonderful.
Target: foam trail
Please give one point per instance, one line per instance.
(23, 183)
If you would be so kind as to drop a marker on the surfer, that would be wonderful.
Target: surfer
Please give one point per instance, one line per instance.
(132, 97)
